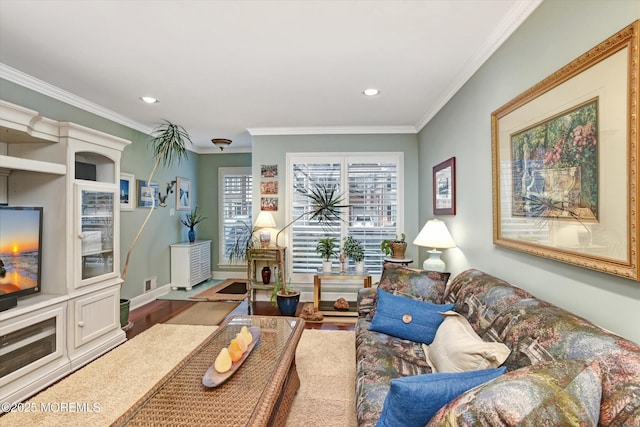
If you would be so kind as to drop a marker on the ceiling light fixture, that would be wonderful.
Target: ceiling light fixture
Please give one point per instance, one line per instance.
(221, 143)
(371, 92)
(149, 99)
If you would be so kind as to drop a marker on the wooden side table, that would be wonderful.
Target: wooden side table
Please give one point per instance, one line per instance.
(274, 255)
(335, 275)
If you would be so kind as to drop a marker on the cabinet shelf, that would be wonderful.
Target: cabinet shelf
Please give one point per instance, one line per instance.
(19, 163)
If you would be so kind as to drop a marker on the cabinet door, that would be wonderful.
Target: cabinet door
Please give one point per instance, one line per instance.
(205, 261)
(96, 254)
(194, 264)
(95, 315)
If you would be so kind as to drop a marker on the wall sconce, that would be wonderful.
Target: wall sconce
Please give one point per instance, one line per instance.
(434, 235)
(221, 143)
(265, 220)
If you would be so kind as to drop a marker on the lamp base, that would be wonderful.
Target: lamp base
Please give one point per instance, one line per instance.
(434, 263)
(265, 239)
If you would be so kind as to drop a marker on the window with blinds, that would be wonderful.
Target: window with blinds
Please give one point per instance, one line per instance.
(370, 185)
(235, 195)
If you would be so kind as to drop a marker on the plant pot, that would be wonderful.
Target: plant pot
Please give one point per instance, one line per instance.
(288, 303)
(124, 312)
(326, 266)
(398, 249)
(192, 235)
(359, 266)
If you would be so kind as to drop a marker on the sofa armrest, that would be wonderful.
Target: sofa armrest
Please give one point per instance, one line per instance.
(366, 301)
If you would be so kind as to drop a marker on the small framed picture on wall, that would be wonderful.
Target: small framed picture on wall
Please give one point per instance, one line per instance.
(269, 171)
(127, 191)
(269, 187)
(444, 187)
(183, 194)
(268, 204)
(147, 192)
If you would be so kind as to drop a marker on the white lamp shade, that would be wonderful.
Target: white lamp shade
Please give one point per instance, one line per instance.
(265, 220)
(435, 235)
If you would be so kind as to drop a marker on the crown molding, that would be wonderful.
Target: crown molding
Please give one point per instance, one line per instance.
(332, 130)
(516, 16)
(37, 85)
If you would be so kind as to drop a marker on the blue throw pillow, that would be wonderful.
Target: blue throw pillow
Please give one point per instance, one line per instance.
(407, 318)
(414, 400)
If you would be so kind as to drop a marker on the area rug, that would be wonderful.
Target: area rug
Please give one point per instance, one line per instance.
(204, 313)
(104, 389)
(229, 290)
(113, 383)
(181, 294)
(326, 364)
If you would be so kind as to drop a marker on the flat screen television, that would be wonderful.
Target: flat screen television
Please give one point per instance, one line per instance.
(20, 253)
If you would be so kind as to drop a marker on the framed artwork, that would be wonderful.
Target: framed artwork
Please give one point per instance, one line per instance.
(268, 204)
(183, 194)
(269, 171)
(444, 188)
(565, 170)
(127, 191)
(269, 187)
(146, 194)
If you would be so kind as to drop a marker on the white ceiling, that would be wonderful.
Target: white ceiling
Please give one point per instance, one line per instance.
(228, 69)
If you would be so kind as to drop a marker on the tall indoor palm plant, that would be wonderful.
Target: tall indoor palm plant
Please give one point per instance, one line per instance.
(169, 146)
(325, 206)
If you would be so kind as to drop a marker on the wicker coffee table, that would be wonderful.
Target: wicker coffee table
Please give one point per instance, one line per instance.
(258, 394)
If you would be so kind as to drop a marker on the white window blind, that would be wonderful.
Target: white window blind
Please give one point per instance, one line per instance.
(235, 195)
(370, 185)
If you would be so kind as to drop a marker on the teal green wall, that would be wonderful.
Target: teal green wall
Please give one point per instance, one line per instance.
(555, 34)
(208, 165)
(272, 150)
(150, 257)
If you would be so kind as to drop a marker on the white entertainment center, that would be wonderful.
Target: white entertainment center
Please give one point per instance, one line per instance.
(75, 318)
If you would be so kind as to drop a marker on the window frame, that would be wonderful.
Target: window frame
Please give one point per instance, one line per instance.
(222, 172)
(344, 159)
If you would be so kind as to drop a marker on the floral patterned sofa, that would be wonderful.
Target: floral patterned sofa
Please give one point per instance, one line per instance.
(546, 343)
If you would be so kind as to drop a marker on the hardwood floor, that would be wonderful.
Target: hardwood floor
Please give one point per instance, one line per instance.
(159, 311)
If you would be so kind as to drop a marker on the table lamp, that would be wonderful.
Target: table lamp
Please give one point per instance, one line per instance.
(434, 235)
(265, 221)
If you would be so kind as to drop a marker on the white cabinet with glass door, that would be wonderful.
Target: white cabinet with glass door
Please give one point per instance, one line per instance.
(95, 249)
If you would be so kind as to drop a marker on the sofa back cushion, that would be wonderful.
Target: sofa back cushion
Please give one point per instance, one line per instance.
(481, 298)
(537, 332)
(419, 284)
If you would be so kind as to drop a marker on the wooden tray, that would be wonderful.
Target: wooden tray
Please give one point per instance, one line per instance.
(213, 378)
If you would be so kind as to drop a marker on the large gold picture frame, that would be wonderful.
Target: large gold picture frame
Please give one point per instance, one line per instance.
(565, 162)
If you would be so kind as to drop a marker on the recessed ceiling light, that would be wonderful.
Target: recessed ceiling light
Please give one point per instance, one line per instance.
(371, 92)
(149, 99)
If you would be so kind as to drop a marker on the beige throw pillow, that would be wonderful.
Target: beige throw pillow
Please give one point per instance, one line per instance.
(457, 348)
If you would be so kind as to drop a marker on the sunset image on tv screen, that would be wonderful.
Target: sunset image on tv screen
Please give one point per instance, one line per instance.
(19, 249)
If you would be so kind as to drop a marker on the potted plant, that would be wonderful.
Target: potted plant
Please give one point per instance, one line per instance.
(396, 248)
(191, 220)
(169, 145)
(352, 248)
(245, 240)
(326, 248)
(286, 298)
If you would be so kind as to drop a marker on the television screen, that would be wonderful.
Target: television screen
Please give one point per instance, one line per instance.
(20, 250)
